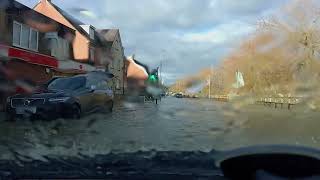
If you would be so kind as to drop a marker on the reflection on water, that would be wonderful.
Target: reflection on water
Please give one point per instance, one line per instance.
(265, 125)
(174, 124)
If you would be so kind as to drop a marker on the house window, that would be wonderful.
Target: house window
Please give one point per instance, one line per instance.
(33, 39)
(66, 48)
(25, 37)
(54, 47)
(16, 34)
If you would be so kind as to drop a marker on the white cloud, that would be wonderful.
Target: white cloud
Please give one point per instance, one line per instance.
(194, 33)
(88, 13)
(220, 34)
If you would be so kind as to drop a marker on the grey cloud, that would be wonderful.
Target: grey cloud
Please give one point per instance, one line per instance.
(150, 27)
(180, 14)
(245, 7)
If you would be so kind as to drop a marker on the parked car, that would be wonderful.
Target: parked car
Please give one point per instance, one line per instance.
(67, 97)
(178, 95)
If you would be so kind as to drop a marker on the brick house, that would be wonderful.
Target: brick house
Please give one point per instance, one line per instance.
(87, 46)
(33, 46)
(25, 43)
(137, 74)
(116, 51)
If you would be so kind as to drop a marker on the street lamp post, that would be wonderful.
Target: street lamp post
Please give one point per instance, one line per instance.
(210, 74)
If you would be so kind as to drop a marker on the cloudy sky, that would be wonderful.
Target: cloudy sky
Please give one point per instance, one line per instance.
(186, 35)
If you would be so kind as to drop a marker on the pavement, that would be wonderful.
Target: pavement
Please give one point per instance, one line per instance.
(172, 125)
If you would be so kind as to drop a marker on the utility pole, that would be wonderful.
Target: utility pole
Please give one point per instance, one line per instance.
(210, 87)
(162, 57)
(211, 73)
(160, 72)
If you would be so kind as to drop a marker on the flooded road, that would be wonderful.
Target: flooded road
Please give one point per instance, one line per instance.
(174, 124)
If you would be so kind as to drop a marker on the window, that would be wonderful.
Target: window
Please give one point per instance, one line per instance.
(25, 37)
(67, 49)
(65, 45)
(92, 81)
(16, 34)
(33, 39)
(72, 83)
(54, 47)
(102, 85)
(59, 47)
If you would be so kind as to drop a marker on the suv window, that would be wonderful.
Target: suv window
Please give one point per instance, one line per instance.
(91, 81)
(72, 83)
(102, 85)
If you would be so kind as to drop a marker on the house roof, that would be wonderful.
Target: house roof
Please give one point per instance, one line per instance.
(33, 18)
(143, 65)
(135, 70)
(76, 24)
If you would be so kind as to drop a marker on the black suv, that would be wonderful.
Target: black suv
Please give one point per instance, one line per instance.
(66, 97)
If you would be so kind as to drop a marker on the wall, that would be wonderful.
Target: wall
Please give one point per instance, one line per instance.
(103, 57)
(135, 77)
(22, 70)
(3, 27)
(118, 64)
(25, 70)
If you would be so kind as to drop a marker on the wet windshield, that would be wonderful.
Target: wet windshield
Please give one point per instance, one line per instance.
(67, 83)
(159, 75)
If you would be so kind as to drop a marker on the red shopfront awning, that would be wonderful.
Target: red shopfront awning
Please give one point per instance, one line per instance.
(32, 57)
(9, 52)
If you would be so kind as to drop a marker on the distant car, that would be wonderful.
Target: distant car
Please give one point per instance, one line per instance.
(66, 97)
(178, 95)
(194, 96)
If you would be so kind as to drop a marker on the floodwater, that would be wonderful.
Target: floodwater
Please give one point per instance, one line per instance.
(174, 124)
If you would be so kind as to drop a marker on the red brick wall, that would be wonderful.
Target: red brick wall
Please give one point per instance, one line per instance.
(25, 70)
